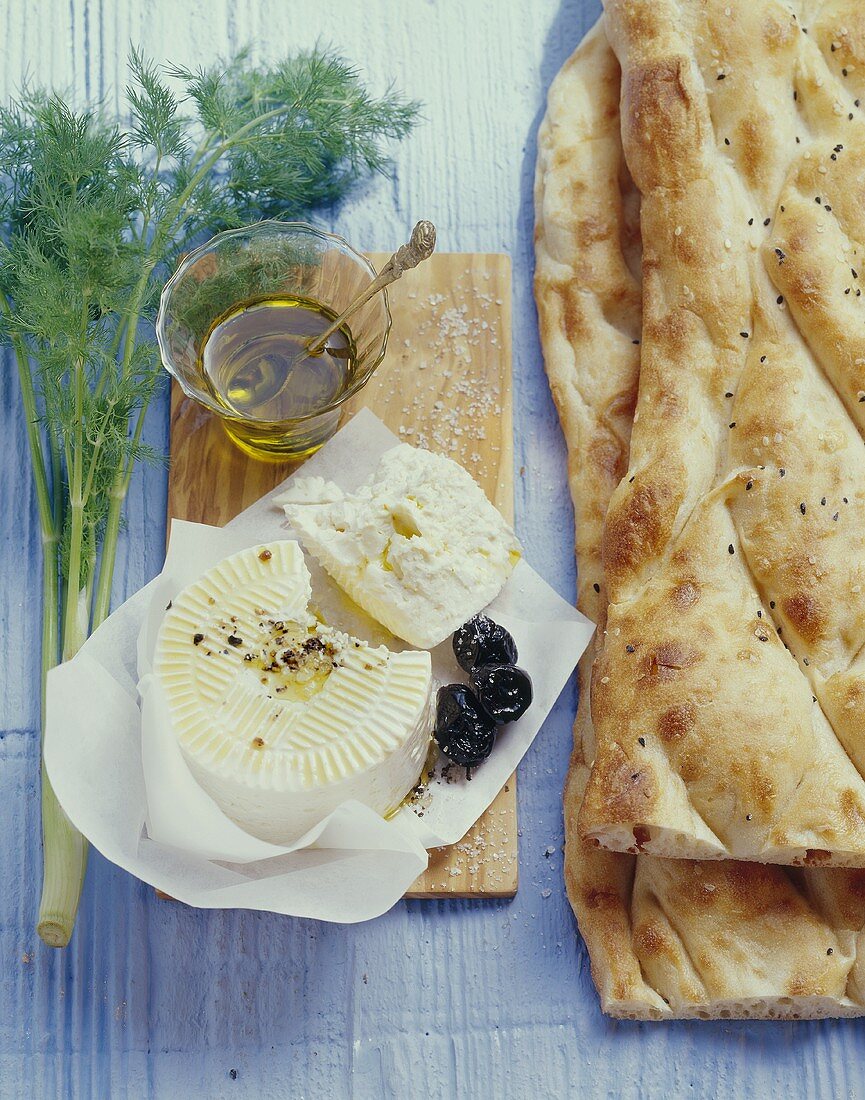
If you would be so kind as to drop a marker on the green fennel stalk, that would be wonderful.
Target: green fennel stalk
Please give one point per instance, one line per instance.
(93, 216)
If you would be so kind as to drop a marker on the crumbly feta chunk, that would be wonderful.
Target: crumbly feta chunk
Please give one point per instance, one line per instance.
(418, 546)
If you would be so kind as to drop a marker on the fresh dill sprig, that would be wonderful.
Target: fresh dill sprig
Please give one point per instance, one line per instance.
(93, 215)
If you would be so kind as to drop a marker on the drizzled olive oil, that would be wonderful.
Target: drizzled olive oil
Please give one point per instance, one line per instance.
(255, 362)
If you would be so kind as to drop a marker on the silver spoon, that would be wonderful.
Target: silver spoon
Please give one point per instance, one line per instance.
(419, 248)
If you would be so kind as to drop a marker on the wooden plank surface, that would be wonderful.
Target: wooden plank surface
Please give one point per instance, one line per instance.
(445, 384)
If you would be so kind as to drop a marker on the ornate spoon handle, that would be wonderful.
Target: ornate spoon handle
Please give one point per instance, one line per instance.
(420, 247)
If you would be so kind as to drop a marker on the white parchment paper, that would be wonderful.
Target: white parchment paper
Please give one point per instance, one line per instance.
(121, 778)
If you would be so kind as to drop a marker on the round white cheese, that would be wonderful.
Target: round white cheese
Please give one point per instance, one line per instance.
(280, 718)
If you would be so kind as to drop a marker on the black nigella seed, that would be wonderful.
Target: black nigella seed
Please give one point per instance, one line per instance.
(596, 587)
(730, 549)
(630, 649)
(749, 485)
(481, 641)
(234, 640)
(197, 639)
(642, 741)
(505, 691)
(802, 508)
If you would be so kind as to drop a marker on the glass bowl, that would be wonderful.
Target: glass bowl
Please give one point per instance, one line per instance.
(249, 266)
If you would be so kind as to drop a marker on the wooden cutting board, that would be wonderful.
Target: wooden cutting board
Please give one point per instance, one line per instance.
(445, 383)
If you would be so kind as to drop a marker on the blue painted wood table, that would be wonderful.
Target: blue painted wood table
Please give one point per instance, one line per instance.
(468, 999)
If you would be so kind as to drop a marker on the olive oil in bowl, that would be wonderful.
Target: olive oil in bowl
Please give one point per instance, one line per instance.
(236, 321)
(256, 364)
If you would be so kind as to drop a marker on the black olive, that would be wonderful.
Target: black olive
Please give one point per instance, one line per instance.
(504, 691)
(482, 642)
(462, 731)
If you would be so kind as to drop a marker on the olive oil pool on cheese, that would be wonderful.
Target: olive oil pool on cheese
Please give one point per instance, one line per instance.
(255, 359)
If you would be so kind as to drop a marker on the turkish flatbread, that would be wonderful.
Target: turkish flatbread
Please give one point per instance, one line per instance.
(729, 696)
(666, 938)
